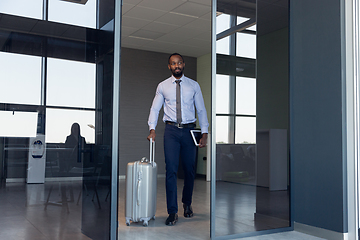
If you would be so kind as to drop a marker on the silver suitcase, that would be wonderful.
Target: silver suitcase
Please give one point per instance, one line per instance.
(141, 188)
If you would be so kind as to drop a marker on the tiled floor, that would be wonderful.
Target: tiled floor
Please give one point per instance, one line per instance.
(23, 215)
(293, 235)
(197, 227)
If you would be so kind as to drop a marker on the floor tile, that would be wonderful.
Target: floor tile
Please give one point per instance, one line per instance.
(24, 216)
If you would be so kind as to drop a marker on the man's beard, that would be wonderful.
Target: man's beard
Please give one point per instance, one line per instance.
(179, 74)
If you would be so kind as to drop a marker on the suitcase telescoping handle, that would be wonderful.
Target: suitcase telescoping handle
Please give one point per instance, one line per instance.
(144, 159)
(152, 154)
(152, 151)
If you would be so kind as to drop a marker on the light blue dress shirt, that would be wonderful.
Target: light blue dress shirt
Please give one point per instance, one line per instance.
(191, 97)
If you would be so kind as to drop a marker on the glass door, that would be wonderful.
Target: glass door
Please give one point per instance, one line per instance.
(250, 167)
(56, 106)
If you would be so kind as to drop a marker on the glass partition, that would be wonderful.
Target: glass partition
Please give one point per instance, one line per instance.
(56, 106)
(251, 116)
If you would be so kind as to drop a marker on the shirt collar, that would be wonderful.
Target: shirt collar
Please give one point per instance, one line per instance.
(173, 79)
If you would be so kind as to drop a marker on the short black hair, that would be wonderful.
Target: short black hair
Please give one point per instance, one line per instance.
(175, 54)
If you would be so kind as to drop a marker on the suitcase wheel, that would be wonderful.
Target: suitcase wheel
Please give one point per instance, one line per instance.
(127, 222)
(145, 223)
(153, 217)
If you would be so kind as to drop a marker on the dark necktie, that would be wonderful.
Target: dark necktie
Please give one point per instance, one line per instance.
(178, 102)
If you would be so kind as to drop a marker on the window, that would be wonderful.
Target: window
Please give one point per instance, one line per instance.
(245, 131)
(245, 45)
(70, 83)
(222, 129)
(222, 94)
(59, 122)
(73, 13)
(245, 96)
(223, 46)
(21, 79)
(23, 8)
(18, 124)
(235, 88)
(223, 23)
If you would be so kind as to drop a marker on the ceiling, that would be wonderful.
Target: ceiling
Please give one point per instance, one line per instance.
(184, 26)
(167, 26)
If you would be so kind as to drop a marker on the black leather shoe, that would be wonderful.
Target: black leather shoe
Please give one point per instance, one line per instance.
(172, 219)
(188, 211)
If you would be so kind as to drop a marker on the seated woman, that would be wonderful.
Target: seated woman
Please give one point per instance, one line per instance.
(74, 144)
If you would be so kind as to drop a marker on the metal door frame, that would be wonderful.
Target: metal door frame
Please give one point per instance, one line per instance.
(116, 120)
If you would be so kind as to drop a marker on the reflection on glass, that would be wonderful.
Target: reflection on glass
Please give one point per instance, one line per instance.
(73, 154)
(252, 28)
(245, 96)
(245, 130)
(222, 94)
(59, 122)
(70, 83)
(73, 13)
(223, 46)
(222, 22)
(21, 79)
(236, 163)
(18, 124)
(23, 8)
(75, 196)
(235, 188)
(240, 20)
(222, 129)
(246, 201)
(246, 45)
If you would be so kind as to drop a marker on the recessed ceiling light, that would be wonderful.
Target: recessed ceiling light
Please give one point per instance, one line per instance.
(76, 1)
(149, 39)
(185, 15)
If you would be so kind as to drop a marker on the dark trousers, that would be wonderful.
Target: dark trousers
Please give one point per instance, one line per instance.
(179, 143)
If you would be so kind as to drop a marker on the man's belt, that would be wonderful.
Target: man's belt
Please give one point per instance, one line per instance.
(179, 125)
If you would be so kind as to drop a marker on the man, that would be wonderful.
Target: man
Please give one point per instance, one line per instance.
(179, 117)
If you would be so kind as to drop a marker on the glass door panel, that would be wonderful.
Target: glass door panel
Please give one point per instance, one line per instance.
(57, 123)
(251, 186)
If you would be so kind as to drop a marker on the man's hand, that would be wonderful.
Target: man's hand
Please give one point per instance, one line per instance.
(203, 140)
(152, 135)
